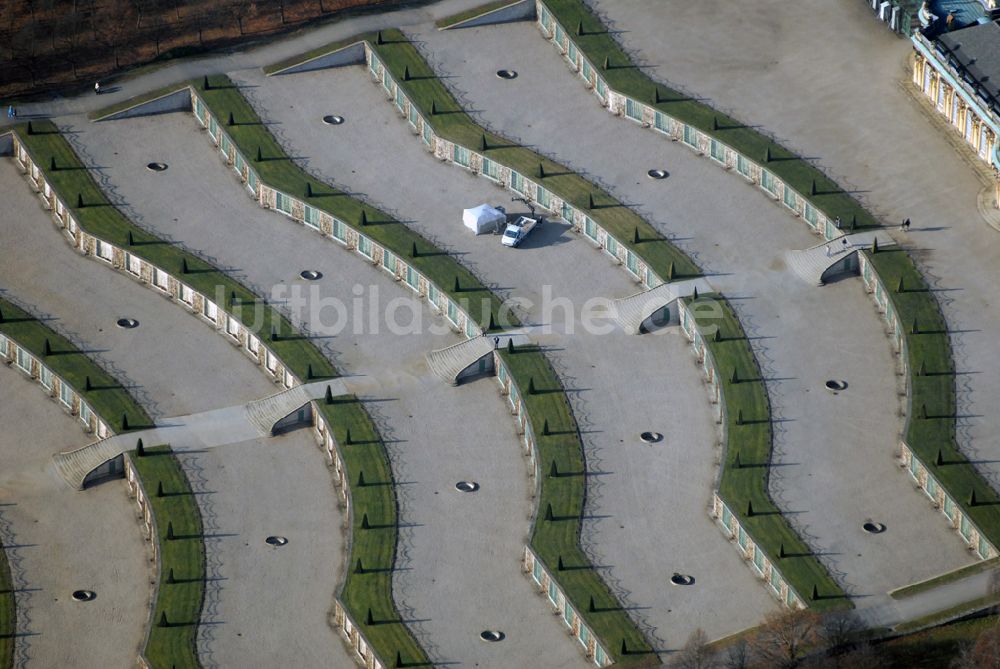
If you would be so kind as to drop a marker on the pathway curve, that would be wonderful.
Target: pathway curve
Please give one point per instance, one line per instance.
(647, 506)
(863, 124)
(186, 367)
(834, 466)
(451, 544)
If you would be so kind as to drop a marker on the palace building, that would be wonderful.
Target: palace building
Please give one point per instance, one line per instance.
(959, 70)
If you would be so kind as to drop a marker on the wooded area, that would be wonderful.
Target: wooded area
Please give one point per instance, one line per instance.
(45, 44)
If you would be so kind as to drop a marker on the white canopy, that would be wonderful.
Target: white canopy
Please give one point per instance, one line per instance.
(483, 218)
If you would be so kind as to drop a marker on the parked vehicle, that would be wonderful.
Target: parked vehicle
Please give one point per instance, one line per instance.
(518, 230)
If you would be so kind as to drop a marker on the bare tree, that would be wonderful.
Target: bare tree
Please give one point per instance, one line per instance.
(67, 36)
(738, 656)
(862, 655)
(841, 628)
(984, 653)
(112, 28)
(784, 637)
(695, 654)
(239, 9)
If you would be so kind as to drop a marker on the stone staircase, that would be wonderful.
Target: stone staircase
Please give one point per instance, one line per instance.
(264, 413)
(74, 466)
(631, 311)
(811, 263)
(448, 363)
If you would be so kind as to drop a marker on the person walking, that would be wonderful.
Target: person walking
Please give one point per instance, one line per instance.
(10, 111)
(97, 88)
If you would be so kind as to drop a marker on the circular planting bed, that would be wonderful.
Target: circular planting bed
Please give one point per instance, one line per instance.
(276, 541)
(156, 167)
(682, 579)
(657, 174)
(651, 437)
(128, 323)
(84, 595)
(836, 385)
(467, 486)
(507, 74)
(311, 275)
(333, 120)
(873, 528)
(492, 635)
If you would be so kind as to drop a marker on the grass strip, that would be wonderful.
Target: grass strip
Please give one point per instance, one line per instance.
(944, 579)
(437, 105)
(298, 353)
(744, 482)
(555, 538)
(930, 431)
(110, 110)
(932, 391)
(599, 46)
(938, 617)
(935, 647)
(106, 397)
(73, 183)
(475, 12)
(931, 428)
(180, 539)
(277, 170)
(740, 487)
(374, 533)
(301, 58)
(550, 540)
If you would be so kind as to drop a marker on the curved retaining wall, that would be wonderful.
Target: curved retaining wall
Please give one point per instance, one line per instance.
(640, 272)
(58, 389)
(677, 130)
(474, 161)
(974, 538)
(331, 227)
(531, 563)
(748, 547)
(351, 239)
(704, 144)
(226, 324)
(55, 386)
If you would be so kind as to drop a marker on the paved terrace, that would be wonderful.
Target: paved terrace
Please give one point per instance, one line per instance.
(452, 544)
(864, 96)
(180, 366)
(58, 541)
(647, 505)
(834, 466)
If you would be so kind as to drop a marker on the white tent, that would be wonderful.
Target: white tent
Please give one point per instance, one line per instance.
(483, 218)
